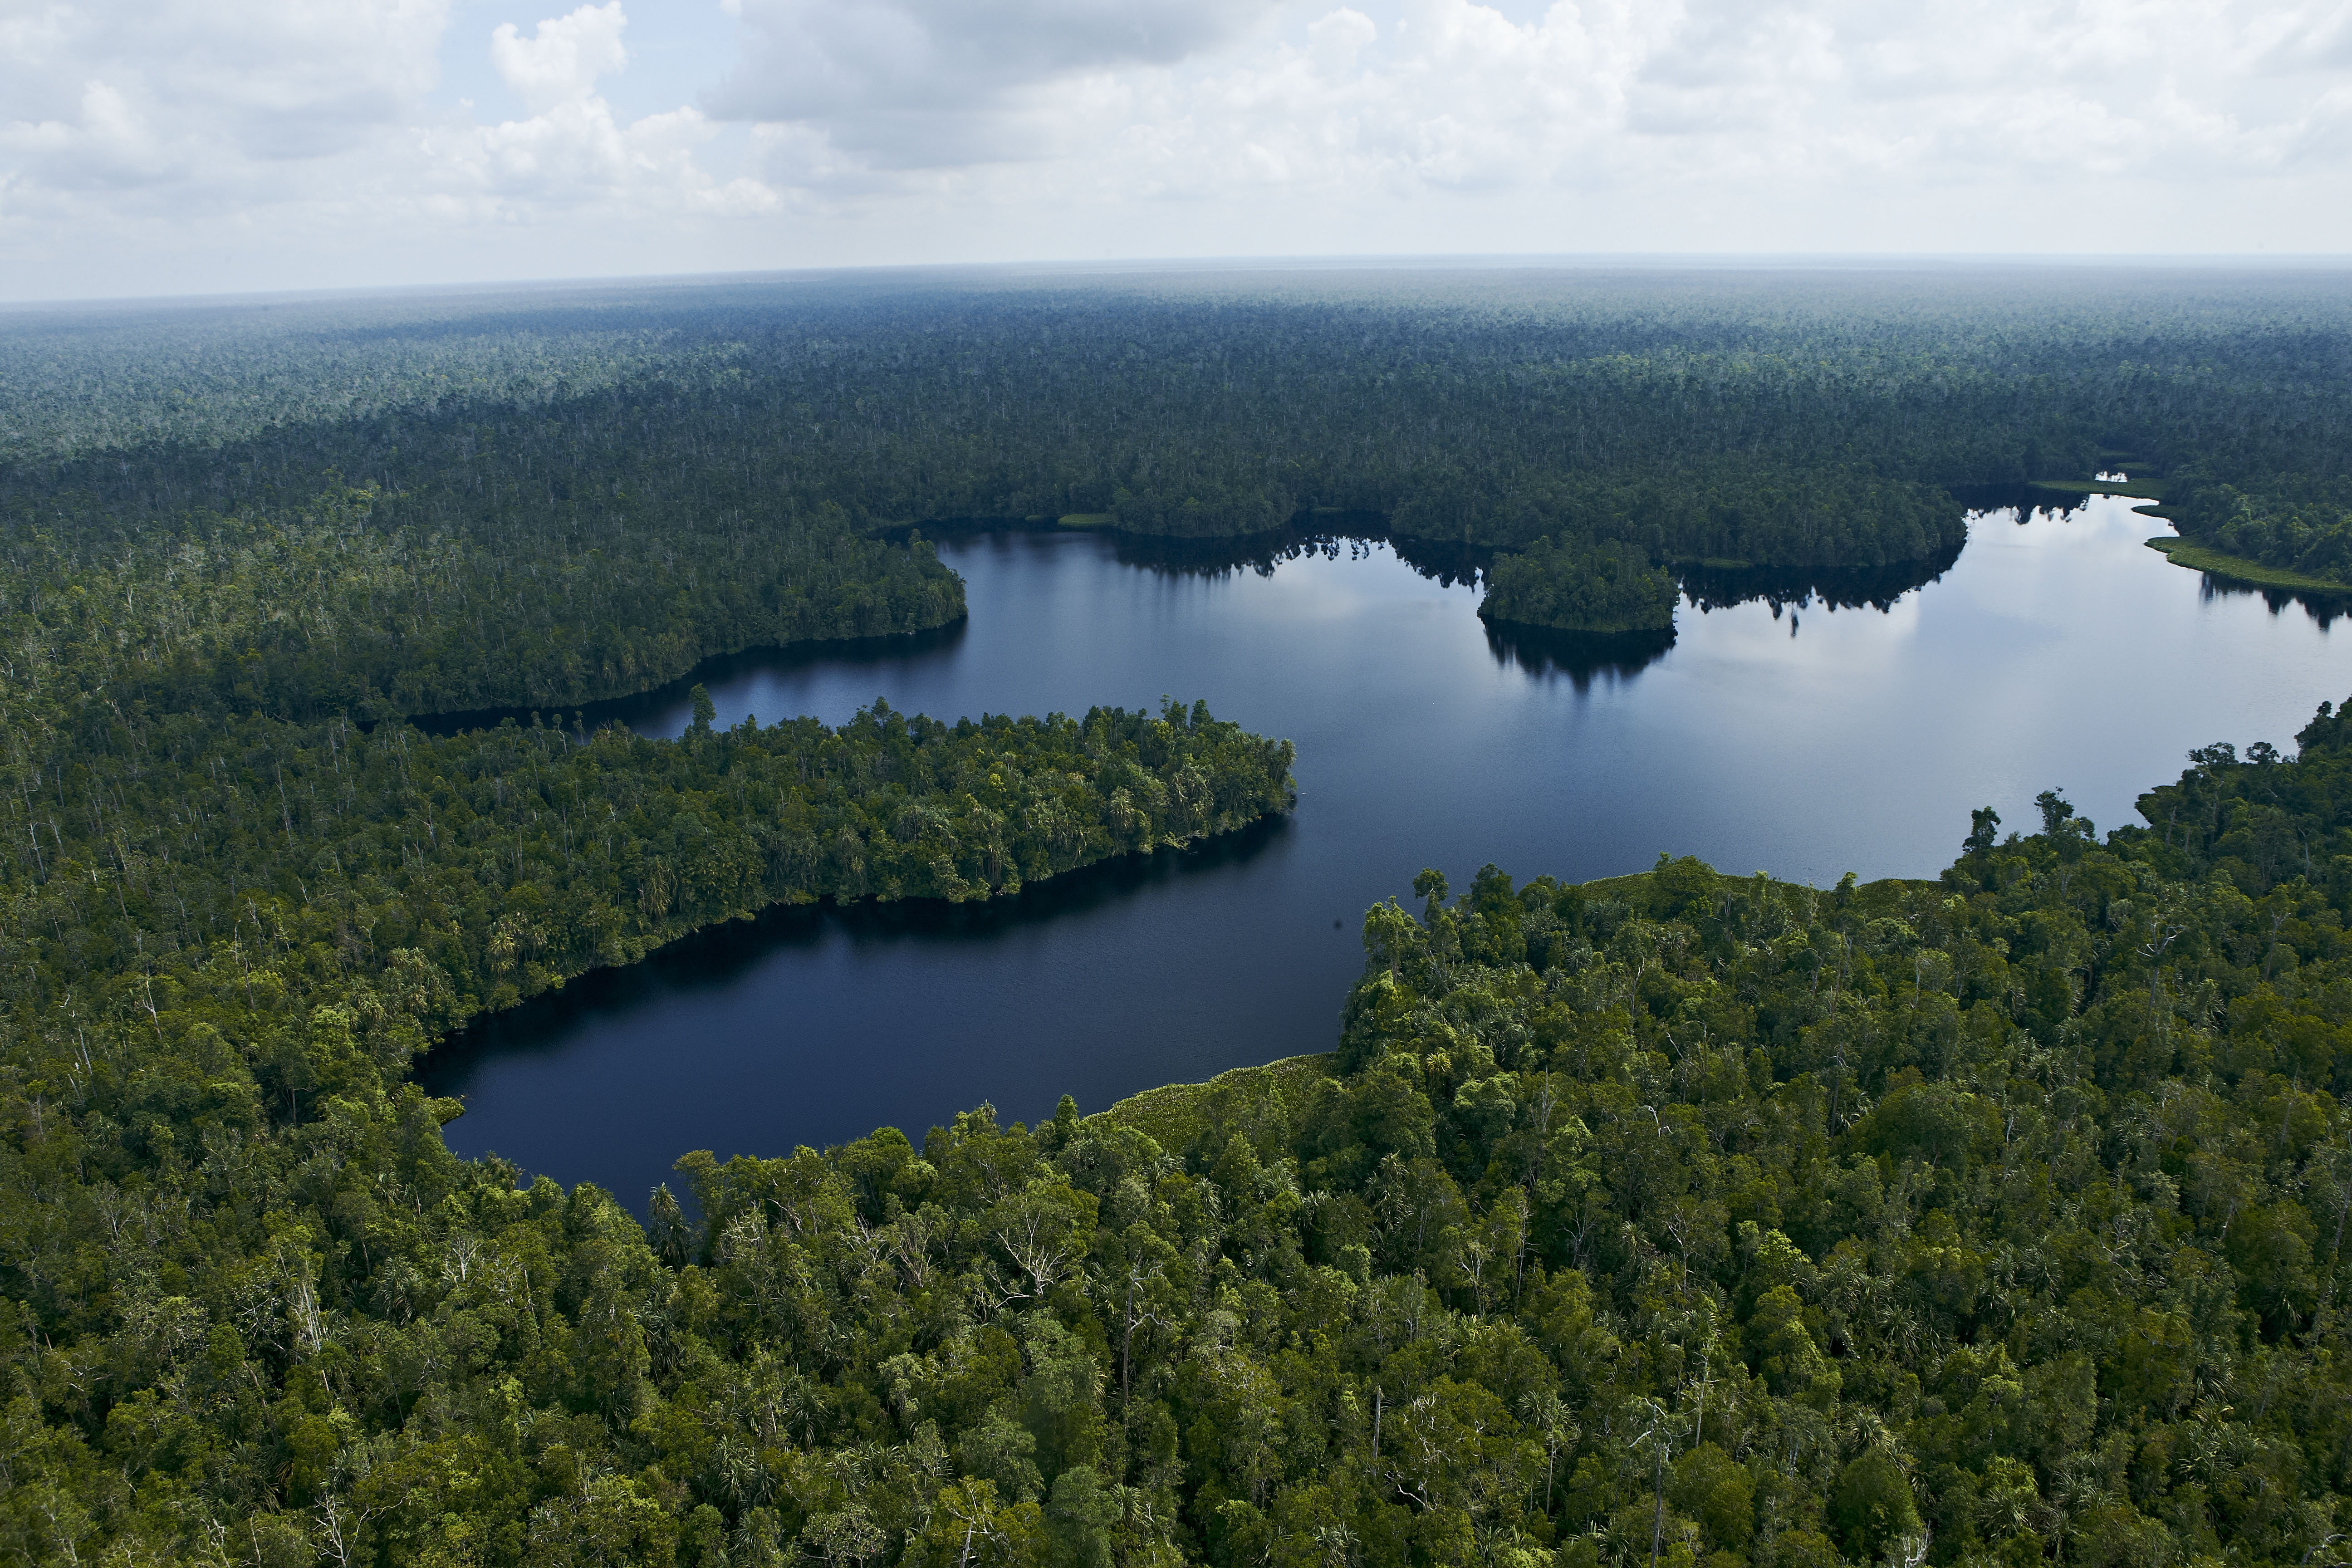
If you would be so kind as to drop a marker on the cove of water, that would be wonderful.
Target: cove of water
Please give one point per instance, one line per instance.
(1788, 735)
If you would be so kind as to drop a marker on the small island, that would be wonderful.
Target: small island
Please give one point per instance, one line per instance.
(1608, 589)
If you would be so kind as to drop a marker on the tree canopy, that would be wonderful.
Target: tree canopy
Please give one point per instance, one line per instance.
(1606, 589)
(1679, 1216)
(1680, 1220)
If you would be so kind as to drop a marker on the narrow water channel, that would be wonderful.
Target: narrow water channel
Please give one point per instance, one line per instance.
(1792, 736)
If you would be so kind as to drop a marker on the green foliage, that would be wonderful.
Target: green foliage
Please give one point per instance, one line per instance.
(1603, 589)
(350, 604)
(1817, 421)
(1172, 1114)
(1986, 1223)
(1871, 1506)
(575, 498)
(2299, 523)
(1813, 422)
(225, 942)
(1683, 1216)
(472, 870)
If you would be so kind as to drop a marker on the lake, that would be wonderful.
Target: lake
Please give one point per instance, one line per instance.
(1794, 734)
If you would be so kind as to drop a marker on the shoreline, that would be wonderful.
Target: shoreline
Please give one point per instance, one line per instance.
(2237, 569)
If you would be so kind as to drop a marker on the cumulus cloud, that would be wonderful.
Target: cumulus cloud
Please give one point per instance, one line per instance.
(1712, 90)
(572, 151)
(811, 58)
(932, 82)
(1069, 100)
(299, 122)
(941, 130)
(561, 61)
(181, 94)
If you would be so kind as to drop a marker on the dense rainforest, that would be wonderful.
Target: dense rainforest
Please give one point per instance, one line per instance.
(479, 867)
(1680, 1218)
(1605, 590)
(1683, 1219)
(539, 452)
(2300, 523)
(323, 612)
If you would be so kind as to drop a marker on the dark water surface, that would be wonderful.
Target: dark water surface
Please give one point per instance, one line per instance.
(1796, 738)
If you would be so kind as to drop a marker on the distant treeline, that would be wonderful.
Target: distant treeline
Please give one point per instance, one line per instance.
(331, 607)
(1808, 422)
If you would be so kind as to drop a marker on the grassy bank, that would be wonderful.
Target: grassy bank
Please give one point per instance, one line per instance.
(2143, 490)
(2237, 569)
(1172, 1114)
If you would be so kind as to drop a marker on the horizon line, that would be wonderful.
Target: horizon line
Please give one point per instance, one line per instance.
(1489, 261)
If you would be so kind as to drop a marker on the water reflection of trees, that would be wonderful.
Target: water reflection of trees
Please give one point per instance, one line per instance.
(1351, 535)
(1257, 553)
(1708, 588)
(651, 707)
(2023, 505)
(2321, 607)
(1445, 562)
(1454, 564)
(1329, 535)
(717, 958)
(1581, 656)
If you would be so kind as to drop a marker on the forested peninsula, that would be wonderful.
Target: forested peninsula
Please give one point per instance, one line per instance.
(1683, 1220)
(2298, 523)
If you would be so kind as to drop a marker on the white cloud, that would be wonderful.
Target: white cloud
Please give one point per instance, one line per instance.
(926, 83)
(575, 155)
(571, 152)
(1691, 100)
(811, 58)
(1685, 100)
(289, 124)
(199, 95)
(561, 62)
(263, 133)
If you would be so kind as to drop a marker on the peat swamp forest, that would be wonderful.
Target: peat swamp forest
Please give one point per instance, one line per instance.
(1986, 1218)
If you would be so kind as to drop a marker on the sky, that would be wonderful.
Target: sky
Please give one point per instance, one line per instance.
(160, 147)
